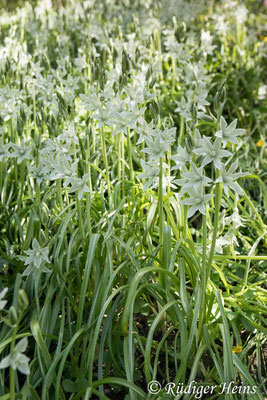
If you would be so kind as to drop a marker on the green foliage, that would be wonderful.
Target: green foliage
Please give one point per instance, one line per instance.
(132, 245)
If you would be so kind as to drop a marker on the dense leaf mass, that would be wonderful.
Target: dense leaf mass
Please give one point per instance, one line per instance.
(132, 199)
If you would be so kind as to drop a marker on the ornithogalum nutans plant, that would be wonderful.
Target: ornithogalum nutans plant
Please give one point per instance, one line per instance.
(132, 199)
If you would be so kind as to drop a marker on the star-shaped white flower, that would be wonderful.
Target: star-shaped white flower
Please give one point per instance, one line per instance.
(229, 133)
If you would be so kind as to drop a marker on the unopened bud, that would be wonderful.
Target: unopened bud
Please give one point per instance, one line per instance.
(13, 316)
(23, 301)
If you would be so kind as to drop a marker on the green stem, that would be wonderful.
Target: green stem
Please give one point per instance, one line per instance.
(88, 195)
(122, 162)
(119, 165)
(104, 153)
(78, 205)
(22, 179)
(215, 228)
(129, 146)
(88, 213)
(158, 41)
(38, 196)
(1, 175)
(204, 247)
(181, 131)
(12, 372)
(59, 194)
(161, 215)
(224, 257)
(204, 274)
(130, 155)
(255, 210)
(34, 114)
(173, 74)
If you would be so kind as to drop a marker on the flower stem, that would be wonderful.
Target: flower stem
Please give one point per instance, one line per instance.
(88, 213)
(59, 194)
(22, 179)
(78, 205)
(161, 215)
(129, 145)
(203, 274)
(1, 175)
(181, 131)
(130, 155)
(104, 153)
(11, 371)
(215, 228)
(263, 226)
(88, 195)
(122, 162)
(38, 196)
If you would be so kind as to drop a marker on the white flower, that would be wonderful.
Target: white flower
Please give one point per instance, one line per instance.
(184, 108)
(228, 179)
(21, 152)
(124, 120)
(197, 201)
(145, 130)
(151, 173)
(194, 179)
(4, 150)
(229, 133)
(234, 219)
(39, 172)
(69, 136)
(241, 14)
(103, 117)
(36, 258)
(212, 152)
(206, 42)
(181, 158)
(220, 242)
(16, 359)
(90, 101)
(156, 147)
(80, 185)
(262, 92)
(167, 136)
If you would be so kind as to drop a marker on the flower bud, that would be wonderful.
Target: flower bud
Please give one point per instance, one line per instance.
(152, 83)
(13, 316)
(149, 73)
(23, 301)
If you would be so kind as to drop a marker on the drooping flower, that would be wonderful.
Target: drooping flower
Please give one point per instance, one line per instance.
(17, 360)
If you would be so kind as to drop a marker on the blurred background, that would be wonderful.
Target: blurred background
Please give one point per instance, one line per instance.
(254, 5)
(12, 4)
